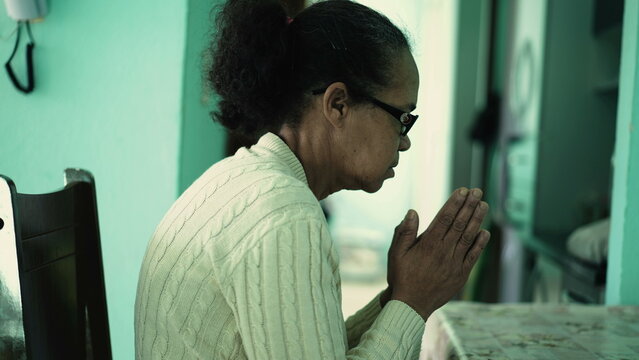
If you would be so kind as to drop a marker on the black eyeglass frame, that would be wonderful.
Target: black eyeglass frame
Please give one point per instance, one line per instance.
(406, 120)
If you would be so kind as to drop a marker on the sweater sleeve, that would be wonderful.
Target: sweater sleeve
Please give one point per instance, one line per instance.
(284, 295)
(361, 321)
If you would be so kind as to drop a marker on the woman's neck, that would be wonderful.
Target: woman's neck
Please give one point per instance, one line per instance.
(314, 151)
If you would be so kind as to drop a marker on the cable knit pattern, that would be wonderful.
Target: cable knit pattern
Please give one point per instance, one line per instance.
(243, 267)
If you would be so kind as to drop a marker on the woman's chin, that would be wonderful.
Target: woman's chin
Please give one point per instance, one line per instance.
(374, 186)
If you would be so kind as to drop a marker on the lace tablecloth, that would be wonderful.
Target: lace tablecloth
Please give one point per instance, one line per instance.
(462, 330)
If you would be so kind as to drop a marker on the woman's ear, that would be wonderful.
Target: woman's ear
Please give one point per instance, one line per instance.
(335, 104)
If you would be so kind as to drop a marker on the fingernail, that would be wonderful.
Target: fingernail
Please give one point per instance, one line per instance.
(477, 193)
(463, 192)
(410, 215)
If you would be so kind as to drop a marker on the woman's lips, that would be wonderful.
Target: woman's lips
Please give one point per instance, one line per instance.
(391, 168)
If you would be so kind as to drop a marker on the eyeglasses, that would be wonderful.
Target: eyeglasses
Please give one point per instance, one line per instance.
(406, 120)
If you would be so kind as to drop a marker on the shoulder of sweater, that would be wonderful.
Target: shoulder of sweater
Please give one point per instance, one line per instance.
(249, 165)
(274, 203)
(245, 183)
(272, 225)
(251, 197)
(254, 174)
(296, 229)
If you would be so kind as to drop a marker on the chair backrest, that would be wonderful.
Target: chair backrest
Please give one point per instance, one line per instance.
(52, 293)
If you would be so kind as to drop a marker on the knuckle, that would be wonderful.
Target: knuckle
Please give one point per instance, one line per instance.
(467, 239)
(459, 225)
(474, 253)
(445, 219)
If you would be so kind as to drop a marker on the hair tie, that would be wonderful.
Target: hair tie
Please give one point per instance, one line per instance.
(289, 20)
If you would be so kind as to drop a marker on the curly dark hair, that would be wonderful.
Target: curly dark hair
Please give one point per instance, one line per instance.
(264, 67)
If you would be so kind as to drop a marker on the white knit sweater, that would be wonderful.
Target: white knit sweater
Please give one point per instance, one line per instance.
(243, 267)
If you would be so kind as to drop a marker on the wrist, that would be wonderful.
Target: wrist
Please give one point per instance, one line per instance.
(385, 297)
(424, 312)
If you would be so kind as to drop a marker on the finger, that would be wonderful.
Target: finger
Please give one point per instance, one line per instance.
(469, 234)
(445, 217)
(463, 217)
(473, 254)
(406, 232)
(396, 233)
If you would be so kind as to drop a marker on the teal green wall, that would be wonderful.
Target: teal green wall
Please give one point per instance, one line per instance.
(470, 71)
(623, 268)
(114, 95)
(202, 141)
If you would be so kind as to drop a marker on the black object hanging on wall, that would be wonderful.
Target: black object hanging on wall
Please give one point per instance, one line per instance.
(24, 12)
(30, 85)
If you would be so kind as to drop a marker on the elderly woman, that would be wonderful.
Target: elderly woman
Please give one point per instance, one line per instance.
(243, 265)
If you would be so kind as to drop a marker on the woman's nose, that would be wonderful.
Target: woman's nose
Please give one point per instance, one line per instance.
(404, 143)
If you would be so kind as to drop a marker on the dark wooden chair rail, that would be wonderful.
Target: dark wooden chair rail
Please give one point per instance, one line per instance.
(61, 275)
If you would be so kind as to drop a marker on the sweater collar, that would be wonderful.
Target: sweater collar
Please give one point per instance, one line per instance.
(282, 151)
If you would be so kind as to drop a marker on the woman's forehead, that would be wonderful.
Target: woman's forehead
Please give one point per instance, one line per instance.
(405, 82)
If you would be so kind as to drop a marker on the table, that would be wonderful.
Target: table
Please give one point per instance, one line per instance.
(464, 330)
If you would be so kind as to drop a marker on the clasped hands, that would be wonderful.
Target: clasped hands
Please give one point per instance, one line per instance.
(426, 271)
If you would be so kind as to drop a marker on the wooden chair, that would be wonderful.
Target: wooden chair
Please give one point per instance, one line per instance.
(52, 294)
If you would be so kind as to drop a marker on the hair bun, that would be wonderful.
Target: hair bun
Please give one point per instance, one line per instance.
(250, 65)
(265, 66)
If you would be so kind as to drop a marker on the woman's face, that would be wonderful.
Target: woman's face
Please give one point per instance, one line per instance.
(375, 139)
